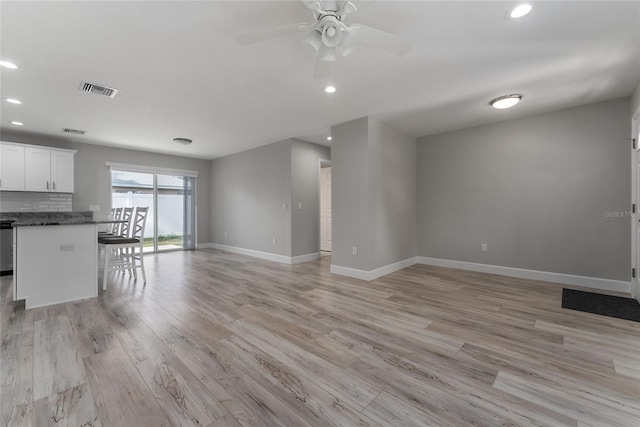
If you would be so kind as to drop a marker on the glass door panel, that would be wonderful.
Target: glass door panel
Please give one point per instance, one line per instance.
(171, 202)
(135, 189)
(171, 212)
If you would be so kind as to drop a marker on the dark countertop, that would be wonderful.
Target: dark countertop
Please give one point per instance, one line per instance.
(36, 219)
(39, 222)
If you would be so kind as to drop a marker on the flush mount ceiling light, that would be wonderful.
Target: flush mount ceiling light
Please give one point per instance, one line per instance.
(506, 101)
(329, 138)
(185, 141)
(330, 89)
(519, 11)
(17, 123)
(7, 64)
(13, 101)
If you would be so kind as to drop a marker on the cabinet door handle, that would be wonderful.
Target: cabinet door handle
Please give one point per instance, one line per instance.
(47, 185)
(54, 185)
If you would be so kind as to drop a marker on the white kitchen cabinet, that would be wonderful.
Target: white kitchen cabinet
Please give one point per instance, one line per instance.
(11, 167)
(62, 171)
(37, 168)
(25, 167)
(55, 264)
(48, 170)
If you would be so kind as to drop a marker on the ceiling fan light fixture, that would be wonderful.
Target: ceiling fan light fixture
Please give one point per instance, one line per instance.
(330, 89)
(506, 101)
(329, 138)
(314, 40)
(331, 32)
(327, 54)
(17, 123)
(347, 44)
(13, 101)
(184, 141)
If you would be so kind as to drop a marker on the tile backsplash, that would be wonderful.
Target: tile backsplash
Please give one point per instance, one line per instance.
(17, 201)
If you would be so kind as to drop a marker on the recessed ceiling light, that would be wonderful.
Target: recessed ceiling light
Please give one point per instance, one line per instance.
(520, 10)
(7, 64)
(329, 138)
(185, 141)
(506, 101)
(13, 101)
(330, 89)
(17, 123)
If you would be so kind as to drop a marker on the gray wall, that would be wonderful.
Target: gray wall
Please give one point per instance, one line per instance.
(93, 179)
(305, 185)
(392, 194)
(248, 190)
(373, 168)
(349, 194)
(534, 189)
(635, 100)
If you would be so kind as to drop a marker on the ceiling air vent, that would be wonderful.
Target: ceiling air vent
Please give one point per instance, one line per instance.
(74, 131)
(98, 90)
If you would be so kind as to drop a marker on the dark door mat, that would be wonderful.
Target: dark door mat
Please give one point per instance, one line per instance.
(606, 305)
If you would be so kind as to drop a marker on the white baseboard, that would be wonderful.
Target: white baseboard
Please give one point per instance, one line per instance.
(372, 274)
(305, 258)
(349, 272)
(204, 245)
(566, 279)
(267, 255)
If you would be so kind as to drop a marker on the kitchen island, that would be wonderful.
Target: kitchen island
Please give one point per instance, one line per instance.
(55, 259)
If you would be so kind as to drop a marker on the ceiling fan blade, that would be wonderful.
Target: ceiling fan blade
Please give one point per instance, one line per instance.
(381, 39)
(315, 5)
(321, 69)
(271, 33)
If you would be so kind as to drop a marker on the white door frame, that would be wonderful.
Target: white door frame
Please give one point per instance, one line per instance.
(320, 163)
(635, 217)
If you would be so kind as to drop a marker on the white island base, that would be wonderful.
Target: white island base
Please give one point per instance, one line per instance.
(55, 264)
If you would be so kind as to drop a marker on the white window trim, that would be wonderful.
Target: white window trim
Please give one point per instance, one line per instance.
(151, 169)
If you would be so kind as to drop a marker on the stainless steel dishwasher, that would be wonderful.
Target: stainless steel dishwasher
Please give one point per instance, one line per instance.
(6, 248)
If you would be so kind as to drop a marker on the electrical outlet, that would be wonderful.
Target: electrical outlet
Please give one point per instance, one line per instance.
(354, 250)
(94, 208)
(484, 247)
(67, 248)
(299, 205)
(284, 206)
(275, 241)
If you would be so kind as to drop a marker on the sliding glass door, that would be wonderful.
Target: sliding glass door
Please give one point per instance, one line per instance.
(170, 198)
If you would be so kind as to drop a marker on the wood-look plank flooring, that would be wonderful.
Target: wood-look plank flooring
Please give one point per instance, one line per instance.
(218, 339)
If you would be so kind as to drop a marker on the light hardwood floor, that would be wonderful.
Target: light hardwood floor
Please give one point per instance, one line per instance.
(217, 339)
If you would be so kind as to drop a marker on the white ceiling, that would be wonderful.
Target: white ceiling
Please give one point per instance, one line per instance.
(180, 73)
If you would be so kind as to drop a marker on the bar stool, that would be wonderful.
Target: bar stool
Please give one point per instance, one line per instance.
(125, 252)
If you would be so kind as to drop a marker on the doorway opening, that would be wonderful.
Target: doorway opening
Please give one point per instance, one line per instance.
(325, 208)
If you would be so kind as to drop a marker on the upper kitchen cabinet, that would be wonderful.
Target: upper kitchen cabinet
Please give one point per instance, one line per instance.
(37, 168)
(34, 168)
(11, 167)
(62, 171)
(48, 170)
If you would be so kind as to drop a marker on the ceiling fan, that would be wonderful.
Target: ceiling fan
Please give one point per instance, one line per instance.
(329, 37)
